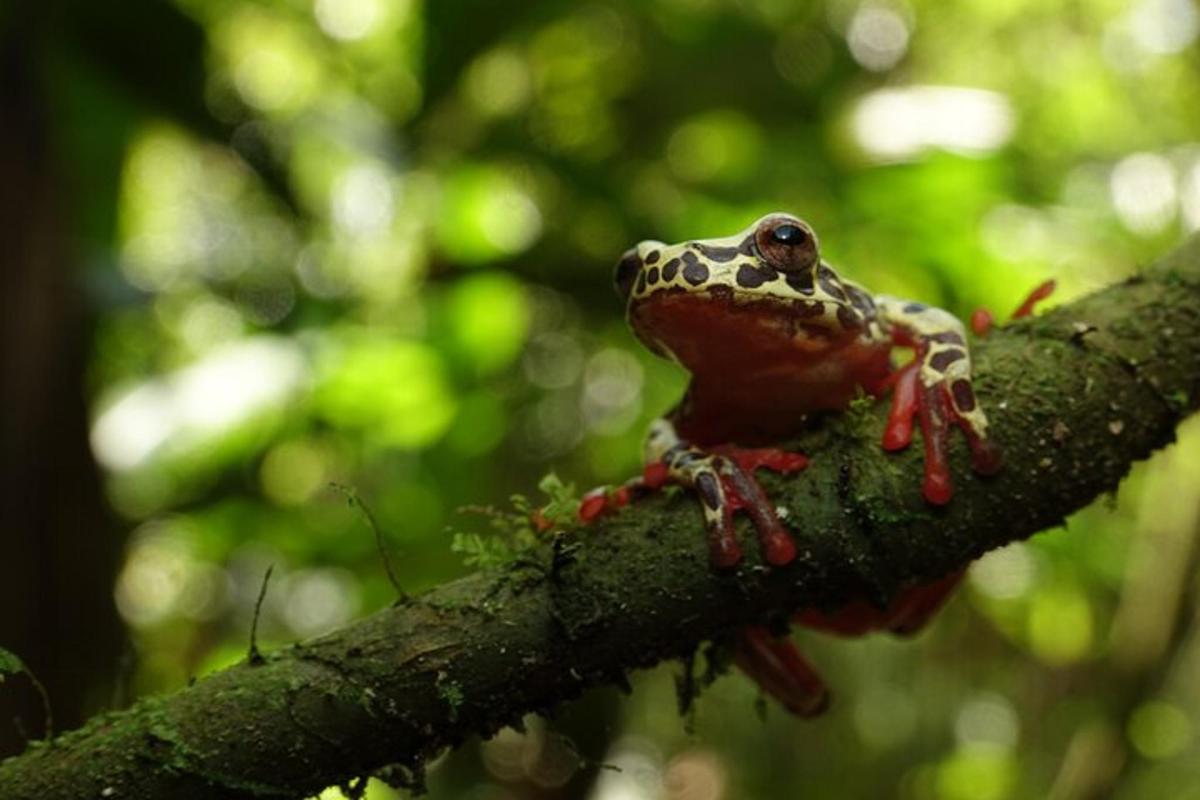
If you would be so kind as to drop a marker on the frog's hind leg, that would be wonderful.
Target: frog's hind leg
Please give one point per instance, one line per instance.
(775, 664)
(918, 604)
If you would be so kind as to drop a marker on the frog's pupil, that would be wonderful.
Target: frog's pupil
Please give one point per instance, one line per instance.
(788, 234)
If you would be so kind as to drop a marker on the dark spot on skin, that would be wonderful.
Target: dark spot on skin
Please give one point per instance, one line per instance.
(627, 271)
(652, 257)
(829, 283)
(669, 269)
(945, 358)
(815, 331)
(801, 281)
(694, 272)
(749, 277)
(847, 318)
(718, 254)
(808, 308)
(641, 282)
(861, 300)
(964, 396)
(915, 308)
(652, 275)
(706, 484)
(946, 337)
(720, 291)
(746, 247)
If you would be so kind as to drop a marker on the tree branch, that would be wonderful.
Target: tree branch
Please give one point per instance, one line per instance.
(1075, 396)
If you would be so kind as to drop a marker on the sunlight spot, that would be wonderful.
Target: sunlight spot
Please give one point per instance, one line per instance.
(498, 83)
(896, 124)
(1189, 197)
(989, 720)
(1004, 574)
(695, 775)
(1159, 730)
(347, 19)
(1143, 192)
(317, 600)
(363, 201)
(200, 401)
(1060, 626)
(612, 391)
(638, 777)
(1164, 26)
(292, 472)
(509, 219)
(878, 37)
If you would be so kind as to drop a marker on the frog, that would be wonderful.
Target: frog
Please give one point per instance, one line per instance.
(772, 335)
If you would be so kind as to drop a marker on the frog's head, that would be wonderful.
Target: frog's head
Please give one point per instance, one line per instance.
(778, 249)
(763, 289)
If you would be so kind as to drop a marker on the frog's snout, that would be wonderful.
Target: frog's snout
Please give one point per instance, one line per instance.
(628, 269)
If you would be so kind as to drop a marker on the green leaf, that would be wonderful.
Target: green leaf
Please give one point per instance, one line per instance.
(564, 501)
(10, 664)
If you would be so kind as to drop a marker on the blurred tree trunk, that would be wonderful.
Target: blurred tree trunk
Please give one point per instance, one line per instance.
(59, 549)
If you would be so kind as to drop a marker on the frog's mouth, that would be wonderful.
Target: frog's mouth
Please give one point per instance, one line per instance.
(719, 332)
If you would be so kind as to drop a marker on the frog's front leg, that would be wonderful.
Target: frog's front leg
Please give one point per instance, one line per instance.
(936, 389)
(723, 478)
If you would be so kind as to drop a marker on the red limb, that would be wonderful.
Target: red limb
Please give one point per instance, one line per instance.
(982, 319)
(775, 664)
(742, 491)
(752, 458)
(724, 551)
(898, 433)
(918, 604)
(931, 412)
(985, 456)
(593, 505)
(911, 609)
(655, 474)
(1040, 293)
(853, 619)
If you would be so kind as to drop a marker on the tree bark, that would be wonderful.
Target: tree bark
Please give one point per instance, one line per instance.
(1075, 396)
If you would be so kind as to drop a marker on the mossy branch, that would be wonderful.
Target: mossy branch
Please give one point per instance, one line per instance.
(1075, 396)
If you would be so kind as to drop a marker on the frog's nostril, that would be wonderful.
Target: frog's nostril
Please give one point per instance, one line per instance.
(627, 271)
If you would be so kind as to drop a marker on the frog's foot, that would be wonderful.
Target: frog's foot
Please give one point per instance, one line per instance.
(724, 480)
(982, 319)
(775, 664)
(936, 405)
(602, 499)
(723, 477)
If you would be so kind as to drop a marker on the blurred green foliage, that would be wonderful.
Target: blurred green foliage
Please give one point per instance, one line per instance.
(413, 300)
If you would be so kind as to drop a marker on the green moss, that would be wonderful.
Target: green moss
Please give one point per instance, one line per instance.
(450, 693)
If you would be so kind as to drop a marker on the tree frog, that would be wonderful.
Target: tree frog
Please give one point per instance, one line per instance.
(770, 334)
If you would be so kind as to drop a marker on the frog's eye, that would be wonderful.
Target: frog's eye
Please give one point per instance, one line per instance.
(627, 271)
(786, 243)
(788, 234)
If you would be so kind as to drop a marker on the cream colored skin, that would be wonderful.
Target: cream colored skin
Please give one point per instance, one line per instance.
(810, 339)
